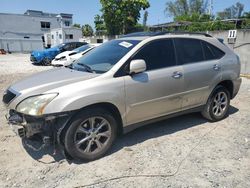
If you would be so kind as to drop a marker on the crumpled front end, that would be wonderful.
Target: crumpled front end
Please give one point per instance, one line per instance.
(48, 127)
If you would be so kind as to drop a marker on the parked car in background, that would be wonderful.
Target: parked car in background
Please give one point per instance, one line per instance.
(66, 58)
(121, 85)
(44, 57)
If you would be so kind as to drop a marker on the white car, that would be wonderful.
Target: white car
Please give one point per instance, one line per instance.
(66, 58)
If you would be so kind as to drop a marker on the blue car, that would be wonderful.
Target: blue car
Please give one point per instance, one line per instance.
(44, 57)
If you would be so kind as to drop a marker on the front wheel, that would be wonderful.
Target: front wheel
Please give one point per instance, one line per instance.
(91, 134)
(46, 61)
(217, 105)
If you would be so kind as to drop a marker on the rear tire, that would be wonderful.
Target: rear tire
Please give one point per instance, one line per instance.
(91, 134)
(217, 105)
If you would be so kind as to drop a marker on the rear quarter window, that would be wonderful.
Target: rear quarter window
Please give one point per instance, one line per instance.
(211, 52)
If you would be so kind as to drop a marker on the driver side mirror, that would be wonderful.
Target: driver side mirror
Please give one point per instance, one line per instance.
(137, 66)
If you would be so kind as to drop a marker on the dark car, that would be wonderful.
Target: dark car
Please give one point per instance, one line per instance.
(45, 57)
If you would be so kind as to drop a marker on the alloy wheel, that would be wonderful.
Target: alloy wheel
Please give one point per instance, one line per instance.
(220, 104)
(92, 135)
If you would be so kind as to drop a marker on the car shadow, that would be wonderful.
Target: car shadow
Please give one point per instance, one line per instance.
(139, 135)
(37, 150)
(162, 128)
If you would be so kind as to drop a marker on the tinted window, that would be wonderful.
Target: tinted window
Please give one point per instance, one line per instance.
(79, 44)
(69, 46)
(104, 57)
(82, 48)
(69, 36)
(188, 50)
(157, 54)
(211, 52)
(45, 25)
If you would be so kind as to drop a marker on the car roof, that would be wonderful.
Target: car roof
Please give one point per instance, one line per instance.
(144, 35)
(84, 43)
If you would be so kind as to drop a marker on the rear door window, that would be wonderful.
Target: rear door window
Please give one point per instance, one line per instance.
(188, 50)
(158, 54)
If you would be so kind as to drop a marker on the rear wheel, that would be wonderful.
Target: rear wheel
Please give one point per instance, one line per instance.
(217, 105)
(90, 134)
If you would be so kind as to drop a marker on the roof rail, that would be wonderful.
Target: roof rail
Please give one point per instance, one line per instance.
(140, 34)
(151, 34)
(182, 32)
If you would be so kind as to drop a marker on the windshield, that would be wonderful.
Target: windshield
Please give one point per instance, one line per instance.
(59, 45)
(103, 58)
(82, 48)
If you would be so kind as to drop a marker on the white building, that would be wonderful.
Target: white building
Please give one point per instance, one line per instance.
(33, 30)
(60, 35)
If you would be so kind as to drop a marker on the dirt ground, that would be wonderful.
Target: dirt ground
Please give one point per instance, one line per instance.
(186, 151)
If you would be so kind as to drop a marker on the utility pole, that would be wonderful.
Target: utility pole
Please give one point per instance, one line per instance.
(211, 7)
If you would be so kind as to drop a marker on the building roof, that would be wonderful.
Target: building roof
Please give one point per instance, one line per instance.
(39, 13)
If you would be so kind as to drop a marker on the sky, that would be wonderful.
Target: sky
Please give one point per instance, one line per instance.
(85, 10)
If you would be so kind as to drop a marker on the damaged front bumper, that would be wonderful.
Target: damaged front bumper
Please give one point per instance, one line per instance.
(48, 127)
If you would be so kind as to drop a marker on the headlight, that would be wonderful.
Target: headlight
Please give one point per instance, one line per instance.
(35, 105)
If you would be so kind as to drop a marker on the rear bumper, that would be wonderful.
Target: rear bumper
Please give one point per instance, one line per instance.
(236, 84)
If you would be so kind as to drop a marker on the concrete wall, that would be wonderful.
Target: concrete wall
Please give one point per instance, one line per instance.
(241, 47)
(21, 45)
(20, 26)
(23, 32)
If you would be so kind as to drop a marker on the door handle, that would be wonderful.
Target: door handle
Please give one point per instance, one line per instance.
(216, 67)
(177, 75)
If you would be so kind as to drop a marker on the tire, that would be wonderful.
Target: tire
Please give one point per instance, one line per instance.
(217, 105)
(46, 61)
(90, 134)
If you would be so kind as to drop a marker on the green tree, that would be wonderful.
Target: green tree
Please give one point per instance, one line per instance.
(99, 25)
(87, 30)
(197, 6)
(77, 25)
(246, 15)
(186, 9)
(194, 17)
(121, 16)
(234, 11)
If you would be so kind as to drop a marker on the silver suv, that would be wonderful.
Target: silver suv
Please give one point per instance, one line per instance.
(123, 84)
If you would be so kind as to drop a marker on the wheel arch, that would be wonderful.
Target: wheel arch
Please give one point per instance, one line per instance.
(228, 84)
(110, 108)
(103, 105)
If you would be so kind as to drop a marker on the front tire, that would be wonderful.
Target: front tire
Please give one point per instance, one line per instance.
(217, 105)
(91, 134)
(46, 61)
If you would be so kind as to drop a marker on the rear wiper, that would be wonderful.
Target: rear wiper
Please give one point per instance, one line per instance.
(87, 68)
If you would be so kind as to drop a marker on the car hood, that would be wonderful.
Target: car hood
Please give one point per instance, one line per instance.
(46, 51)
(48, 80)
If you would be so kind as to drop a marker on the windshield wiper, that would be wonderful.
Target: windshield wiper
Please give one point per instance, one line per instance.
(87, 68)
(69, 66)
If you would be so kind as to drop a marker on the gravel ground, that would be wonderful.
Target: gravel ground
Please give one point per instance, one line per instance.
(18, 63)
(180, 152)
